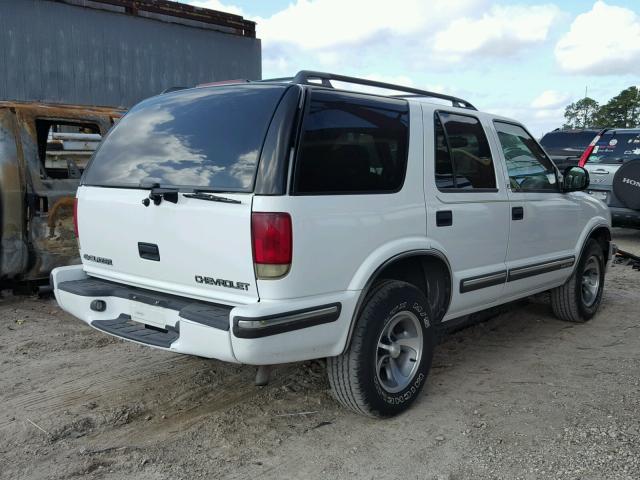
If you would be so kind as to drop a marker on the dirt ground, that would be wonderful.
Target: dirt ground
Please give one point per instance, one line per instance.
(519, 396)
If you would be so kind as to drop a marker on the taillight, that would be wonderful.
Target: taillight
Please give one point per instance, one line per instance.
(585, 155)
(75, 217)
(272, 240)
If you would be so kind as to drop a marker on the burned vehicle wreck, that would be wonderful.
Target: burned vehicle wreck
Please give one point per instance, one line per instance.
(44, 149)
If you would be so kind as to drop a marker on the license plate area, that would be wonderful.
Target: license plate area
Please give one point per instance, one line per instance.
(149, 315)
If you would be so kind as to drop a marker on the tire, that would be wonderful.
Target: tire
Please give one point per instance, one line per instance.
(626, 184)
(574, 303)
(395, 314)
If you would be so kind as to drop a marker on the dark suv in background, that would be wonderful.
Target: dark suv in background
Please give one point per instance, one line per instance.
(566, 146)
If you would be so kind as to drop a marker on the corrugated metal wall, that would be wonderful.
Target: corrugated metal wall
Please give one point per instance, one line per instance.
(69, 54)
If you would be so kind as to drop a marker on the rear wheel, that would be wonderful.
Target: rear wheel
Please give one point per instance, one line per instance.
(578, 299)
(387, 363)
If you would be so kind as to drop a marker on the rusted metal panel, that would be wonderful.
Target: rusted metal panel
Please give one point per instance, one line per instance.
(36, 211)
(13, 252)
(173, 11)
(74, 52)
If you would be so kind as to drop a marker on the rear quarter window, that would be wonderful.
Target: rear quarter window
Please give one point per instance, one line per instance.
(616, 147)
(571, 142)
(352, 144)
(463, 157)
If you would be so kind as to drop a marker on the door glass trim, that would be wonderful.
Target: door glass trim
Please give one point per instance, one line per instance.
(437, 113)
(504, 160)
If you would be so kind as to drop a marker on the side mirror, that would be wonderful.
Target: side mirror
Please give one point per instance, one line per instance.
(575, 179)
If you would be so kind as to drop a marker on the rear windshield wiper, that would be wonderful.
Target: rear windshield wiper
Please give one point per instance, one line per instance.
(200, 195)
(157, 194)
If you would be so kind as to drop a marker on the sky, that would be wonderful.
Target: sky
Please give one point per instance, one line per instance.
(525, 59)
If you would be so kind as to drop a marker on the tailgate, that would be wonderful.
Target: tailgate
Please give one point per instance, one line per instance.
(195, 248)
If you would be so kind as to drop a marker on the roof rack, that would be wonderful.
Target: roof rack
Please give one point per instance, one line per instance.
(305, 77)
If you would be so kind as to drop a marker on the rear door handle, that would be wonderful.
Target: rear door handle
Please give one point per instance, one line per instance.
(444, 218)
(517, 213)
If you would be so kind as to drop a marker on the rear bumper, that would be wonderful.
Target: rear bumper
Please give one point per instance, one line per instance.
(267, 332)
(625, 217)
(620, 215)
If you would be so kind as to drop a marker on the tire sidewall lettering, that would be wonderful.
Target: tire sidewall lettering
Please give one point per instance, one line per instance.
(415, 387)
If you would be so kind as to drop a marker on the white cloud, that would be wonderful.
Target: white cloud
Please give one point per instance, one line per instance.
(603, 41)
(215, 5)
(545, 110)
(550, 99)
(556, 114)
(503, 30)
(409, 35)
(324, 24)
(538, 122)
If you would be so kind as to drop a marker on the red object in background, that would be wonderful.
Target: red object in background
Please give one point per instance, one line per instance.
(585, 155)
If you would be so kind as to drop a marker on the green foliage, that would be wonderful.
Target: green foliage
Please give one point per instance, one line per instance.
(622, 111)
(581, 114)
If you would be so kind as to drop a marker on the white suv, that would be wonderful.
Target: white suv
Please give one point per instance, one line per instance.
(279, 221)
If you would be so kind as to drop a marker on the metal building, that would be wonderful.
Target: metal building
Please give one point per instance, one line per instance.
(117, 52)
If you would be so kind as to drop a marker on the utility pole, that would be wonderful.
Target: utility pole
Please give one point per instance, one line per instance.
(586, 108)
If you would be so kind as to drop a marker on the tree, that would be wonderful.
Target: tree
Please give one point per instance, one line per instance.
(622, 111)
(581, 114)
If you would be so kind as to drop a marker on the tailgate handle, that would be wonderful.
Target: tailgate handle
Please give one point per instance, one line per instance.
(149, 251)
(601, 171)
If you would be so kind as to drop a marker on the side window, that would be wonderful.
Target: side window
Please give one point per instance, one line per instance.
(462, 157)
(528, 167)
(352, 144)
(65, 147)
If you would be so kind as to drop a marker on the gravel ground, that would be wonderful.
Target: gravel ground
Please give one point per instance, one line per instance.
(519, 396)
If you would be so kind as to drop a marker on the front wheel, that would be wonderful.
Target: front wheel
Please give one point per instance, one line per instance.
(386, 365)
(578, 299)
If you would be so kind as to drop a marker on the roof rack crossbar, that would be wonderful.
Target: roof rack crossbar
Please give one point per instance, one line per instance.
(279, 79)
(305, 77)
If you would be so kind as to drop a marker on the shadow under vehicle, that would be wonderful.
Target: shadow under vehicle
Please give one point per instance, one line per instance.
(44, 149)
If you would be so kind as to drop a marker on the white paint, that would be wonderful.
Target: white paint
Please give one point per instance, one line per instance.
(339, 242)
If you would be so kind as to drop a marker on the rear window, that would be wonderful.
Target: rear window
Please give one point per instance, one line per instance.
(569, 142)
(615, 147)
(352, 144)
(463, 157)
(208, 138)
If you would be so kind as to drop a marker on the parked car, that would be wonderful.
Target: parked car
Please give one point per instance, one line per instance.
(613, 163)
(280, 221)
(565, 146)
(43, 151)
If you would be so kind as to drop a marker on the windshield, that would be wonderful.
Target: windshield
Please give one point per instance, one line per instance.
(616, 147)
(207, 138)
(568, 143)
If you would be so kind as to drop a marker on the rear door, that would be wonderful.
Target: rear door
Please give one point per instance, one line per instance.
(195, 152)
(467, 207)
